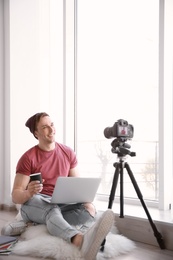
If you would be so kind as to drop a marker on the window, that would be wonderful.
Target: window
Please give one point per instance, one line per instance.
(117, 78)
(95, 62)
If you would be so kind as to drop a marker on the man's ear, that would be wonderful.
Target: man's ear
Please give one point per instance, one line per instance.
(36, 135)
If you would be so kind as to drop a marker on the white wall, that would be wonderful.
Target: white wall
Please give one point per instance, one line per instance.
(25, 81)
(28, 77)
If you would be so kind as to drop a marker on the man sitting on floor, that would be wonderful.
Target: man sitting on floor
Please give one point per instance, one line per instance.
(53, 159)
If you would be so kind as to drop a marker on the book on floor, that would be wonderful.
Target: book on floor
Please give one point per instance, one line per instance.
(6, 244)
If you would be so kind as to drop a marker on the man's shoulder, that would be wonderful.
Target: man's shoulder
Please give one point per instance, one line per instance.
(64, 148)
(31, 150)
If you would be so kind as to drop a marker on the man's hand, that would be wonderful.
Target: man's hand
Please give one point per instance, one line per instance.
(34, 187)
(23, 189)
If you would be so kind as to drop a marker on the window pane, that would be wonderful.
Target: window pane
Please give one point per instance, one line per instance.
(118, 79)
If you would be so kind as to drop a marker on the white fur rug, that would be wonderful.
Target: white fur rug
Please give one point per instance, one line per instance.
(37, 242)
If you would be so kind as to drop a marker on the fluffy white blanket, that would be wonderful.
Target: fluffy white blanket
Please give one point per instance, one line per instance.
(37, 242)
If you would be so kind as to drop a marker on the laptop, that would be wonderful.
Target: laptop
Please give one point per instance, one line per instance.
(74, 190)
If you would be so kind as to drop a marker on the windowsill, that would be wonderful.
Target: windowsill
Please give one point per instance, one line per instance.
(136, 211)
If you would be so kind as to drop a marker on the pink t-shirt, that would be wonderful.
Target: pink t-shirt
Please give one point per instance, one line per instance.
(51, 164)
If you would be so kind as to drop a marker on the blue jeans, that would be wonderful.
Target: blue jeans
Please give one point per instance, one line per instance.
(60, 219)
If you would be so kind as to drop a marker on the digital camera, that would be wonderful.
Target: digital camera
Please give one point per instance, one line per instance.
(121, 129)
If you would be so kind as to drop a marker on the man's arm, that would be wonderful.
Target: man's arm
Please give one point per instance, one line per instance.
(23, 190)
(74, 172)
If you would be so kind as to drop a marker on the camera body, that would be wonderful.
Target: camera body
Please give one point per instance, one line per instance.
(120, 129)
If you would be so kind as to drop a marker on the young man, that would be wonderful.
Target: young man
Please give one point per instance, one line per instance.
(53, 159)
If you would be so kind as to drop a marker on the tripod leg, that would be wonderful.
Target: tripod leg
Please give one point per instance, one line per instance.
(112, 195)
(121, 190)
(114, 185)
(156, 233)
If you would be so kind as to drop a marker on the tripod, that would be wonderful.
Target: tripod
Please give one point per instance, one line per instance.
(119, 170)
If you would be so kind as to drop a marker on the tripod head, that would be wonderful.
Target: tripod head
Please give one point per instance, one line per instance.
(123, 132)
(121, 148)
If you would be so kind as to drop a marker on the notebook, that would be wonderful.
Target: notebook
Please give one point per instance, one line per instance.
(74, 190)
(7, 239)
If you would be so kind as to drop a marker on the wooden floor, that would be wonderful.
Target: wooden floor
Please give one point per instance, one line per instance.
(142, 252)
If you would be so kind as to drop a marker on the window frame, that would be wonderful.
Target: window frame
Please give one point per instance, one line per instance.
(164, 196)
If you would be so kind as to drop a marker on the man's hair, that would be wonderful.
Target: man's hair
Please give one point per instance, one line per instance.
(32, 122)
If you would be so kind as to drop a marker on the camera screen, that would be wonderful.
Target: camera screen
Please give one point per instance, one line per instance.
(122, 130)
